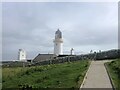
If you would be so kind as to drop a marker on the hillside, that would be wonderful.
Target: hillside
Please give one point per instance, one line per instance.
(66, 75)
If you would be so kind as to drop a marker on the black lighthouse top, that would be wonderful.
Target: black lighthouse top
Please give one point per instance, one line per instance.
(58, 34)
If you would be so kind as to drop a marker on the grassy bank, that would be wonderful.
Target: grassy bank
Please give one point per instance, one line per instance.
(66, 75)
(114, 71)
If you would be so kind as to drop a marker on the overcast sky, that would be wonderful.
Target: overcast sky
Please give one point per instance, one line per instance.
(85, 26)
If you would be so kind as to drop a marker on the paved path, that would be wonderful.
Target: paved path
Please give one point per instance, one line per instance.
(97, 76)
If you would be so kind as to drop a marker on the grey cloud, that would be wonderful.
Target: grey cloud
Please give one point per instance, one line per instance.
(31, 26)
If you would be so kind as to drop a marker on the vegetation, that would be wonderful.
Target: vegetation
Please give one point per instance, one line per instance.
(65, 75)
(114, 70)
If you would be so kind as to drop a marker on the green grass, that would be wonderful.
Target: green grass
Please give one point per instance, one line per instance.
(66, 75)
(114, 70)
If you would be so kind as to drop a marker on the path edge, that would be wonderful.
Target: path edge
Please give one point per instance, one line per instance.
(111, 81)
(85, 77)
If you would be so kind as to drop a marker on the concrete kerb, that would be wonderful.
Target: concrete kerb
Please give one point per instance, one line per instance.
(85, 77)
(111, 81)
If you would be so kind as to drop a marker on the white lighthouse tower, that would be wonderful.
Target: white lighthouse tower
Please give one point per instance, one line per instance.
(58, 43)
(21, 55)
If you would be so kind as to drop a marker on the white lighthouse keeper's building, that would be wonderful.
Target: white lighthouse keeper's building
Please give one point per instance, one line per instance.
(58, 43)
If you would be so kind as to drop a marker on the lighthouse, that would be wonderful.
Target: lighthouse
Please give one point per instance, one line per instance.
(58, 43)
(22, 55)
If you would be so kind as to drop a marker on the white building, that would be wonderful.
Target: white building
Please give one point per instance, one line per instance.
(21, 55)
(58, 43)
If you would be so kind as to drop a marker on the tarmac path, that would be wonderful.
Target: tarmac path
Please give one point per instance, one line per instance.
(97, 76)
